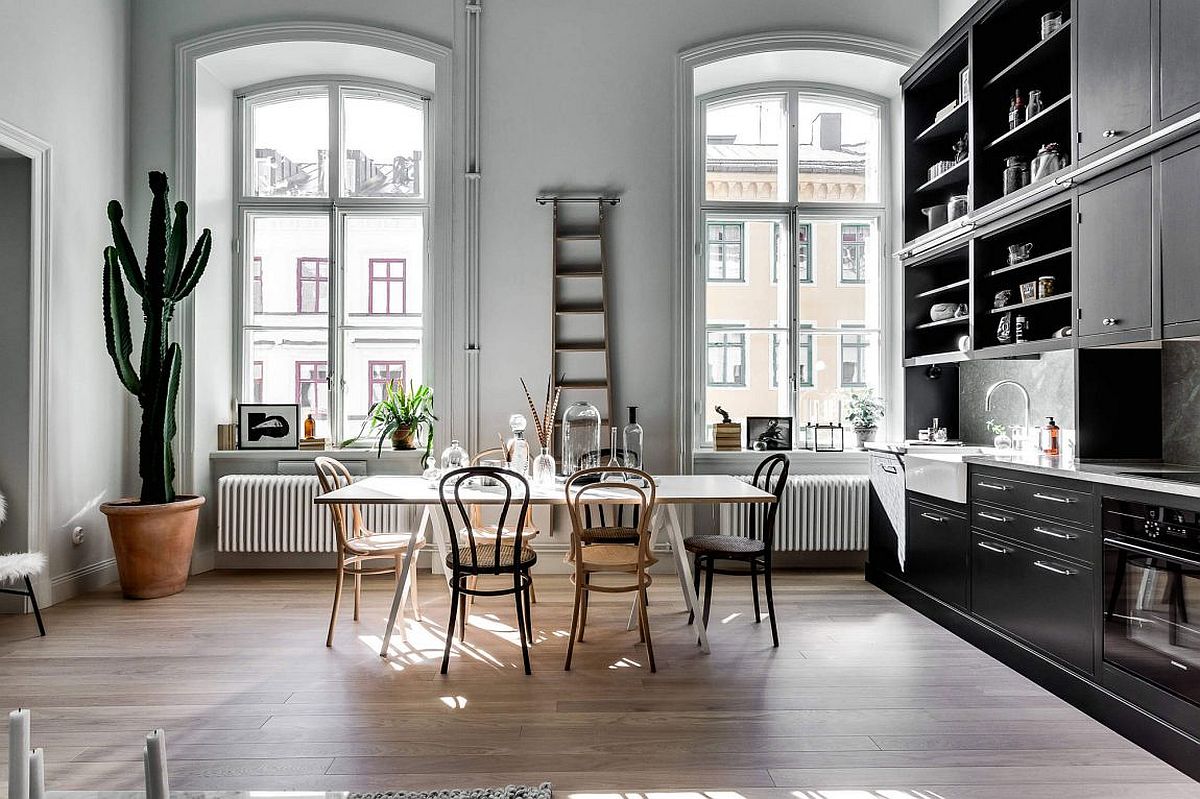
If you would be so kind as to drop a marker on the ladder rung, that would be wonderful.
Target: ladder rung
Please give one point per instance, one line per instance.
(598, 346)
(572, 309)
(578, 236)
(584, 384)
(591, 272)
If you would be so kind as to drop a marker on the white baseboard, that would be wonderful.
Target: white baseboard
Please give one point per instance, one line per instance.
(81, 580)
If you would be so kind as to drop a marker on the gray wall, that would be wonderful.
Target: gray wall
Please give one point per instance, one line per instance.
(1050, 381)
(1181, 390)
(949, 12)
(64, 80)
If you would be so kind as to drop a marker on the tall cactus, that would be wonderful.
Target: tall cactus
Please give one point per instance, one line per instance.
(166, 280)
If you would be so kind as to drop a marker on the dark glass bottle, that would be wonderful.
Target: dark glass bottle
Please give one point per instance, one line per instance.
(1016, 110)
(310, 427)
(1050, 437)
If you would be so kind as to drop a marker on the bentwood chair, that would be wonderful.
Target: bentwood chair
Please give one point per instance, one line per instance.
(753, 549)
(610, 549)
(473, 554)
(485, 530)
(357, 544)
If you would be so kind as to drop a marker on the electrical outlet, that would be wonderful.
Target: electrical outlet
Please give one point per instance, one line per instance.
(77, 536)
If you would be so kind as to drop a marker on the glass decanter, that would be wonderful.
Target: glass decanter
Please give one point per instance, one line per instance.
(454, 457)
(518, 447)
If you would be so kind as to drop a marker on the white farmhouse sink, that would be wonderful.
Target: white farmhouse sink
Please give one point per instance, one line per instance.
(941, 474)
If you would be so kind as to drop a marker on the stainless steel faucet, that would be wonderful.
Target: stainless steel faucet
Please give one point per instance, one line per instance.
(987, 401)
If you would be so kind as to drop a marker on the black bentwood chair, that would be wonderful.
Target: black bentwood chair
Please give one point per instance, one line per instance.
(475, 553)
(753, 549)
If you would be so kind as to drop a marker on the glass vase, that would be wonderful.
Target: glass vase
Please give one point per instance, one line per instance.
(1002, 441)
(580, 437)
(543, 470)
(454, 457)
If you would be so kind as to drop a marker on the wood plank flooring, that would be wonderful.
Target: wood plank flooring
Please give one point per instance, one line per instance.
(865, 699)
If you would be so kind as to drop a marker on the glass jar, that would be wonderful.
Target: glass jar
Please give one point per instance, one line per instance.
(632, 440)
(580, 436)
(454, 457)
(1048, 161)
(1014, 173)
(956, 207)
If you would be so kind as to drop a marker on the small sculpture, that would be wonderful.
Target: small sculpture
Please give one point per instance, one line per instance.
(724, 415)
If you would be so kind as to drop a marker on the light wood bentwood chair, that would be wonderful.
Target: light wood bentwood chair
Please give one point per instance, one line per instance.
(611, 549)
(357, 544)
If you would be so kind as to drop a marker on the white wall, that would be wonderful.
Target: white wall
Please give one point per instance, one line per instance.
(575, 95)
(64, 66)
(950, 11)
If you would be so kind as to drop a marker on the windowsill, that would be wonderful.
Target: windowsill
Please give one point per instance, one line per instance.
(349, 453)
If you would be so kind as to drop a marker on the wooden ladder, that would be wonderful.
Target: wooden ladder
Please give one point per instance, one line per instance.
(579, 361)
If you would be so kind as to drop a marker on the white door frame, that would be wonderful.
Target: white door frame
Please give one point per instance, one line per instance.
(38, 153)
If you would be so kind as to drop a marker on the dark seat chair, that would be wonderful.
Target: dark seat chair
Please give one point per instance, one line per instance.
(474, 553)
(753, 549)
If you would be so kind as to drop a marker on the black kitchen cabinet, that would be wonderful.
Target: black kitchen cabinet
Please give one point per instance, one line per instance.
(1179, 68)
(1114, 68)
(1116, 253)
(936, 551)
(1181, 235)
(1042, 599)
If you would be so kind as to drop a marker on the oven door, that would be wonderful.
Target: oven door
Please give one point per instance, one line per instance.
(1152, 615)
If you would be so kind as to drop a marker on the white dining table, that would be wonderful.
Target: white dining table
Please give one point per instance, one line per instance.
(671, 491)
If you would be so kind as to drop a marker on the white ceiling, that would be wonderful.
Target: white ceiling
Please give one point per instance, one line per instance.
(247, 66)
(809, 66)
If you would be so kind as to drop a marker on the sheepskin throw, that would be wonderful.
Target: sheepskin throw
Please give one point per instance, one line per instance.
(21, 565)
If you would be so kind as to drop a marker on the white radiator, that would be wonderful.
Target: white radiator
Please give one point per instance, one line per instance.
(818, 512)
(275, 513)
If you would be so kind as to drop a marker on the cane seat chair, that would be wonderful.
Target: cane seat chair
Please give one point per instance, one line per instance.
(753, 549)
(474, 554)
(609, 549)
(357, 544)
(484, 530)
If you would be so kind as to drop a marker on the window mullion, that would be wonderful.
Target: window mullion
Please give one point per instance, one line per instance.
(336, 384)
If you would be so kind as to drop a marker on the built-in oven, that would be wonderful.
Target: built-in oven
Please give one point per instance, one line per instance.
(1152, 594)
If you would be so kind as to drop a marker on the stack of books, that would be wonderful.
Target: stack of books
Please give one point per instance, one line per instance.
(314, 443)
(727, 437)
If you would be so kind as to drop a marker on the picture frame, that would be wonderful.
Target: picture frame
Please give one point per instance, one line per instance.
(769, 433)
(268, 426)
(964, 84)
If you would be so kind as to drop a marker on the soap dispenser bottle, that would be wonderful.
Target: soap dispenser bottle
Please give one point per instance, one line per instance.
(1050, 437)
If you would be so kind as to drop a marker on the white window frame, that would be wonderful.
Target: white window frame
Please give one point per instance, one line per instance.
(247, 206)
(796, 212)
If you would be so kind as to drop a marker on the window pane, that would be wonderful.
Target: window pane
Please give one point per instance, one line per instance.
(838, 158)
(744, 149)
(744, 257)
(385, 147)
(289, 366)
(288, 270)
(758, 363)
(384, 256)
(289, 146)
(843, 258)
(841, 364)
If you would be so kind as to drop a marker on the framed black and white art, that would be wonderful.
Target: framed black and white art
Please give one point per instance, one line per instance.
(768, 433)
(263, 426)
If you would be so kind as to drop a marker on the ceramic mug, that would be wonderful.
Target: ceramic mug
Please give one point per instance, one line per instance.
(943, 310)
(1019, 252)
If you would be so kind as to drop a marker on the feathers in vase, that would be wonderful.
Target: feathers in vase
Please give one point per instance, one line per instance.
(544, 423)
(3, 509)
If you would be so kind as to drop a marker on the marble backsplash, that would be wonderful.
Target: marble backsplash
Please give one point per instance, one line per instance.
(1050, 381)
(1180, 391)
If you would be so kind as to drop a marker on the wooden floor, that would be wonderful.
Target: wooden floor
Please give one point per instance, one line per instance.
(865, 699)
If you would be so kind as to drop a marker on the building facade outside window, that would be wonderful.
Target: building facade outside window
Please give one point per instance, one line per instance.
(382, 373)
(800, 173)
(334, 211)
(725, 252)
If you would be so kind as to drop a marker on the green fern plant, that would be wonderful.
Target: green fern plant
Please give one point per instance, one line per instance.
(168, 277)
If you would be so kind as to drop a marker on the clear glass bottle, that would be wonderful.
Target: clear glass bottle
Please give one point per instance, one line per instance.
(518, 447)
(580, 437)
(632, 440)
(454, 457)
(1035, 104)
(614, 463)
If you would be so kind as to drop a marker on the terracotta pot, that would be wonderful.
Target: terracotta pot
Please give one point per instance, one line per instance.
(403, 438)
(153, 544)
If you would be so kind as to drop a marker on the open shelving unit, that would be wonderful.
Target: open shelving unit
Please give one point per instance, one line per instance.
(942, 278)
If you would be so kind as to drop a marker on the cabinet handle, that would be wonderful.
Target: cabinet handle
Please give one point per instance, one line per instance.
(993, 548)
(995, 518)
(888, 469)
(1055, 534)
(1110, 134)
(1052, 498)
(932, 518)
(994, 486)
(1108, 321)
(1050, 567)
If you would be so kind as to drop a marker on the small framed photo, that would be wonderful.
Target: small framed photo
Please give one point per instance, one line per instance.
(768, 433)
(964, 85)
(262, 426)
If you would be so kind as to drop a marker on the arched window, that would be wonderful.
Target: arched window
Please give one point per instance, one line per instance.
(333, 204)
(789, 220)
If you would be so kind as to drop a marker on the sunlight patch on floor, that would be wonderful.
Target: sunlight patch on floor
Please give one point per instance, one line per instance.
(730, 618)
(857, 793)
(626, 663)
(454, 702)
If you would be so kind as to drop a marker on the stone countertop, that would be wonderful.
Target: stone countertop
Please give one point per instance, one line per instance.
(1113, 473)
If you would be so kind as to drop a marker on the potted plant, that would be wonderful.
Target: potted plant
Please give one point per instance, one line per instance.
(864, 414)
(401, 416)
(153, 534)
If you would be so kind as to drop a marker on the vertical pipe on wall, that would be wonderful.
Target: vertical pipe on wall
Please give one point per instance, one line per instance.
(472, 176)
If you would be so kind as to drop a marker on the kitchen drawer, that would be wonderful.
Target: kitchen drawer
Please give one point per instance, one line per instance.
(1070, 542)
(936, 552)
(1068, 504)
(1044, 601)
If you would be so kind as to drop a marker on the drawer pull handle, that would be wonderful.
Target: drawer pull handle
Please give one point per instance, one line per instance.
(994, 548)
(889, 469)
(1055, 534)
(994, 486)
(1052, 498)
(1050, 567)
(993, 517)
(932, 518)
